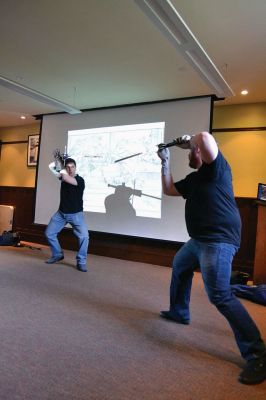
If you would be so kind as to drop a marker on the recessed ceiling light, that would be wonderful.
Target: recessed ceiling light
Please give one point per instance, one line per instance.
(244, 92)
(22, 117)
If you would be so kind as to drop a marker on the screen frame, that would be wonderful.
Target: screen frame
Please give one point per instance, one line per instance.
(212, 98)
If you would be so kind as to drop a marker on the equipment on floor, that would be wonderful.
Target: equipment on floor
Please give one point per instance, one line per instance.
(10, 238)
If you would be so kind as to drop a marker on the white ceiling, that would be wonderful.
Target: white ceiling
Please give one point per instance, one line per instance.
(96, 53)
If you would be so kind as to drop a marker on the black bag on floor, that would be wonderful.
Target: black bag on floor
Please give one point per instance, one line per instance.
(238, 277)
(9, 238)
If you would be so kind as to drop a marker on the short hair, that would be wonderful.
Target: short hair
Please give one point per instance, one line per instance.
(70, 161)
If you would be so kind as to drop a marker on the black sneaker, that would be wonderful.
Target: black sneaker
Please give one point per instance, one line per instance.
(254, 372)
(171, 317)
(52, 260)
(82, 267)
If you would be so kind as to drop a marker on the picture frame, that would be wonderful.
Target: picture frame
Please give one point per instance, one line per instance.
(261, 192)
(33, 150)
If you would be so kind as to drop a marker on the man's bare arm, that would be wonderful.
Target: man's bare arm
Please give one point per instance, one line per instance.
(68, 179)
(168, 185)
(167, 179)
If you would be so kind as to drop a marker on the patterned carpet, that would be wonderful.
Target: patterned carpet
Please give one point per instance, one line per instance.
(68, 335)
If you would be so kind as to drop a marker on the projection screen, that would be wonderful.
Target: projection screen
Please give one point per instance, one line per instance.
(115, 150)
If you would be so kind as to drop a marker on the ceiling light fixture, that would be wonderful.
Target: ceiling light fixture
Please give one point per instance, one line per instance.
(244, 92)
(165, 17)
(22, 117)
(26, 91)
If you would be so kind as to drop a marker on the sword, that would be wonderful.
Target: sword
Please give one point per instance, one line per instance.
(160, 147)
(125, 158)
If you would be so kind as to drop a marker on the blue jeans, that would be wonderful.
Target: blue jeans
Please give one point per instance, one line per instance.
(214, 260)
(77, 221)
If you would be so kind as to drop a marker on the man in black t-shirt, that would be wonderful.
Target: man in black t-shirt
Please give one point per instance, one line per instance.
(70, 212)
(214, 226)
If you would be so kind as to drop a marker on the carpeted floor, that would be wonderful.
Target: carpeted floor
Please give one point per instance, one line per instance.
(68, 335)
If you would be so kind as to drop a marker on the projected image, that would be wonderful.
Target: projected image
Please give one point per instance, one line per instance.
(121, 168)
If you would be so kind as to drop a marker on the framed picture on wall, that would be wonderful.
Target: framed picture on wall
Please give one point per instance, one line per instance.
(33, 149)
(261, 192)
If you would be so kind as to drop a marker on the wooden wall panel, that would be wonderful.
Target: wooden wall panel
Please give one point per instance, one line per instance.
(260, 254)
(23, 199)
(244, 259)
(153, 251)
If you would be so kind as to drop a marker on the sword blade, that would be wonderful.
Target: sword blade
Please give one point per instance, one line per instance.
(125, 158)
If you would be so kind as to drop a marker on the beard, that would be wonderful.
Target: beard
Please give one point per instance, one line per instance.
(195, 161)
(193, 164)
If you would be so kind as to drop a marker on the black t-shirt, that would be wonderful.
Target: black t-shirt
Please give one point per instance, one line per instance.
(71, 196)
(211, 212)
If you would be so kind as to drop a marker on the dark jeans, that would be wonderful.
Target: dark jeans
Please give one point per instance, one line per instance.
(214, 260)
